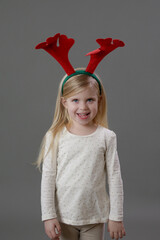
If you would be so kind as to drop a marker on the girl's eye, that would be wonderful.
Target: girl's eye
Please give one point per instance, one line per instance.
(75, 100)
(90, 100)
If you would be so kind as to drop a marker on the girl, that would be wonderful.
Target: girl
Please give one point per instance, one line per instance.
(78, 154)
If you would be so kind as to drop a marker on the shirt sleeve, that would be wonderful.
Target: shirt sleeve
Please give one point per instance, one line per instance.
(48, 182)
(115, 182)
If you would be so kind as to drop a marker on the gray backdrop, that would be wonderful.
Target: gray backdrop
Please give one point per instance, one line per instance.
(29, 83)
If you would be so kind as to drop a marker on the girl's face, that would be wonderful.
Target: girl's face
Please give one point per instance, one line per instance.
(82, 107)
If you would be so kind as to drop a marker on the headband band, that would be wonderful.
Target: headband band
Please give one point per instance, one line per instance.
(82, 72)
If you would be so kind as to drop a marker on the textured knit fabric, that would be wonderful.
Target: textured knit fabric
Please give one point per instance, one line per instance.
(74, 190)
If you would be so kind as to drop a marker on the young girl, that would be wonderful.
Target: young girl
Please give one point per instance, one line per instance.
(78, 155)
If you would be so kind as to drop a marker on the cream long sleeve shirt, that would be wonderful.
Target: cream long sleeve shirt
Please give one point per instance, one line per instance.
(75, 193)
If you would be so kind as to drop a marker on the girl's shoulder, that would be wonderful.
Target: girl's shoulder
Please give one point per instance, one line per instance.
(109, 136)
(48, 134)
(48, 137)
(107, 132)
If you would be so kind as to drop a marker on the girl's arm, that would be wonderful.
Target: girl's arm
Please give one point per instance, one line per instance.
(48, 181)
(115, 182)
(115, 224)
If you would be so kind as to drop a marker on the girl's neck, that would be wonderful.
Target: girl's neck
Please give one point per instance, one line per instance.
(81, 129)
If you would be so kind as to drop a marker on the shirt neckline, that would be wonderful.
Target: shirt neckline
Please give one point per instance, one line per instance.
(75, 135)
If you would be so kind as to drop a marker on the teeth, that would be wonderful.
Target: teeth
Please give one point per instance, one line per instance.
(83, 114)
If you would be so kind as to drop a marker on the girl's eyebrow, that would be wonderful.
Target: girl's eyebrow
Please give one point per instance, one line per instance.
(86, 97)
(91, 98)
(74, 97)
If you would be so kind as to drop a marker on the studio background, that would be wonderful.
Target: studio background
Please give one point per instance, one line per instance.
(29, 83)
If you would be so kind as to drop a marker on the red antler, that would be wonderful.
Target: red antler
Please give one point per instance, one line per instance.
(60, 53)
(106, 46)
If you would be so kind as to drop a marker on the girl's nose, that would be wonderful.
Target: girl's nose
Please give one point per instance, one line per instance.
(83, 106)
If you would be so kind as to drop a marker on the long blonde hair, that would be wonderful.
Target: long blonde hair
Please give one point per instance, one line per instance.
(61, 118)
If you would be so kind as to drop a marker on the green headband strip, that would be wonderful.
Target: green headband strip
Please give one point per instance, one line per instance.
(82, 72)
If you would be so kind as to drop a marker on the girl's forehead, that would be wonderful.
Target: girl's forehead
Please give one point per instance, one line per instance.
(88, 91)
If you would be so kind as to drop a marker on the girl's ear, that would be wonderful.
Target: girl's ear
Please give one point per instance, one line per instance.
(64, 102)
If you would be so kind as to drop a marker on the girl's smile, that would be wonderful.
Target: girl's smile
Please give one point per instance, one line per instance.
(83, 115)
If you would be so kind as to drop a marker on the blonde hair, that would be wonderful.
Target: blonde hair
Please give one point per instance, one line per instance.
(74, 85)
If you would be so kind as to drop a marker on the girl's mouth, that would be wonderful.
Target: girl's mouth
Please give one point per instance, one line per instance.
(83, 115)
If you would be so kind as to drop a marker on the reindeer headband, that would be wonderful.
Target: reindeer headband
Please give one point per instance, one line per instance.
(60, 53)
